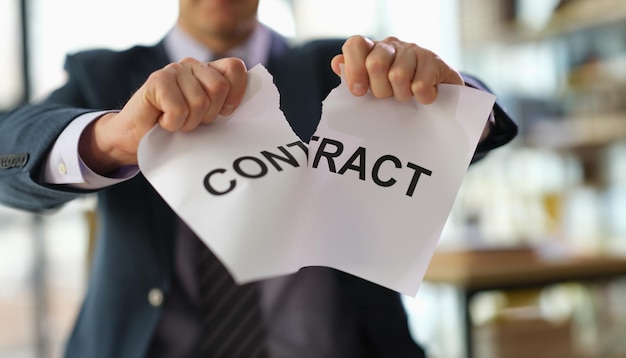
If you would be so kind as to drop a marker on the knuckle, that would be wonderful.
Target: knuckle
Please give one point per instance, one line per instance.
(188, 60)
(176, 112)
(166, 73)
(235, 64)
(220, 85)
(392, 40)
(352, 41)
(172, 68)
(375, 65)
(199, 104)
(399, 75)
(411, 47)
(357, 41)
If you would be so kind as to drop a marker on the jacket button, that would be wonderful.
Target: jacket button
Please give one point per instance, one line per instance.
(62, 168)
(155, 297)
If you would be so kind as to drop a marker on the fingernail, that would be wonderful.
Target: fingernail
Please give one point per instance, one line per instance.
(359, 89)
(227, 109)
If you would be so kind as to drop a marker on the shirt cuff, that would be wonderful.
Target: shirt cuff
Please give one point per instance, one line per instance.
(65, 166)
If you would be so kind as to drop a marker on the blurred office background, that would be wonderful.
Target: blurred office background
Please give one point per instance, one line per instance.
(558, 190)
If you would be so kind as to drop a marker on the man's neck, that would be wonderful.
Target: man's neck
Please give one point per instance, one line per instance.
(220, 42)
(256, 49)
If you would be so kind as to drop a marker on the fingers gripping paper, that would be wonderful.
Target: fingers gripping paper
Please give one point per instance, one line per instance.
(369, 194)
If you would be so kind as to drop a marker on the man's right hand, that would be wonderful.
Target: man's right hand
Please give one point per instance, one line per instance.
(178, 97)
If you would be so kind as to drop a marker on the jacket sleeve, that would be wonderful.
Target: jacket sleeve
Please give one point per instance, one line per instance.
(27, 133)
(503, 129)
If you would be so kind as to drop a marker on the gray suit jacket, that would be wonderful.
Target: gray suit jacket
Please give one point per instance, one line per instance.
(136, 227)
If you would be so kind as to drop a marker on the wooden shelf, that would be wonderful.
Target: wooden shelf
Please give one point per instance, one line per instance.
(578, 132)
(478, 270)
(579, 16)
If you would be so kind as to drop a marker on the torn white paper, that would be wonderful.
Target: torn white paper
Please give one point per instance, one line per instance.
(371, 199)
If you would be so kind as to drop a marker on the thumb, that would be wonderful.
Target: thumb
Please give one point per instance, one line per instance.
(336, 63)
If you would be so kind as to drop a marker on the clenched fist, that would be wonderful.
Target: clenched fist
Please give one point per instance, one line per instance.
(178, 97)
(393, 68)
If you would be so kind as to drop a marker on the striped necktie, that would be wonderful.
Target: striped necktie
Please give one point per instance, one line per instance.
(232, 322)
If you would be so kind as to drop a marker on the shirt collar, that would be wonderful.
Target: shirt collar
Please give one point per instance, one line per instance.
(178, 45)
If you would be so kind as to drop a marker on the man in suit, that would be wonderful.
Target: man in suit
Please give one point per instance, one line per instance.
(143, 297)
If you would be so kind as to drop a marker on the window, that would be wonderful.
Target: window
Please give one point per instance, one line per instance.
(11, 74)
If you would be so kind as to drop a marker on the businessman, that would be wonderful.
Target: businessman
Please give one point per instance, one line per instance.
(155, 289)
